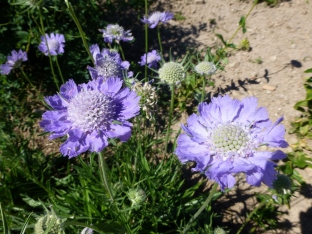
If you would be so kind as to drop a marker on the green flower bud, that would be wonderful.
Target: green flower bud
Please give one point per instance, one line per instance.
(282, 183)
(136, 196)
(219, 230)
(171, 73)
(50, 222)
(205, 68)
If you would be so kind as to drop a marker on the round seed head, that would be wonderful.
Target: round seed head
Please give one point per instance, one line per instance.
(171, 73)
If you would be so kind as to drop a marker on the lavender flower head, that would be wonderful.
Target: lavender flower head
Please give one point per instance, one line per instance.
(53, 44)
(88, 114)
(223, 139)
(14, 61)
(152, 59)
(115, 32)
(107, 64)
(157, 17)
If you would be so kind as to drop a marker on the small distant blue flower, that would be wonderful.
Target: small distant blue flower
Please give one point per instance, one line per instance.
(87, 231)
(14, 61)
(53, 44)
(115, 32)
(157, 17)
(88, 114)
(224, 137)
(107, 64)
(152, 59)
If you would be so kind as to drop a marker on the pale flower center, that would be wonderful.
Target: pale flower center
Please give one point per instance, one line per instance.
(229, 138)
(155, 17)
(108, 68)
(91, 110)
(53, 44)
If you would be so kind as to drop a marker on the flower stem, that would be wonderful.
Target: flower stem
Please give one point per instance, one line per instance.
(170, 119)
(122, 53)
(159, 40)
(250, 215)
(206, 203)
(106, 184)
(202, 98)
(104, 178)
(81, 32)
(59, 69)
(146, 41)
(26, 77)
(239, 27)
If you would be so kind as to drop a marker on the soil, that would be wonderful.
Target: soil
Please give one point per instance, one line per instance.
(272, 70)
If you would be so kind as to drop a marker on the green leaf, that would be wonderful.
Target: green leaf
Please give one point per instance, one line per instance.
(221, 38)
(242, 23)
(304, 130)
(288, 168)
(308, 70)
(25, 224)
(4, 222)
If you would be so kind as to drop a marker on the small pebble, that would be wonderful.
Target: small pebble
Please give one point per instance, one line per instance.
(268, 87)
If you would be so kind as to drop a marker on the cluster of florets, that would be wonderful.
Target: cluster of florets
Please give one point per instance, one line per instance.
(205, 68)
(108, 63)
(136, 196)
(52, 44)
(114, 32)
(49, 222)
(148, 96)
(171, 73)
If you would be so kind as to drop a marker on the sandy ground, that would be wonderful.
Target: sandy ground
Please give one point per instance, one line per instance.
(273, 70)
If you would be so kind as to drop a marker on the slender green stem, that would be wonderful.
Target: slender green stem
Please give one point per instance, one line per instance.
(81, 32)
(106, 184)
(53, 73)
(146, 41)
(159, 39)
(59, 69)
(121, 51)
(104, 178)
(206, 203)
(250, 215)
(239, 27)
(26, 77)
(50, 58)
(170, 119)
(202, 98)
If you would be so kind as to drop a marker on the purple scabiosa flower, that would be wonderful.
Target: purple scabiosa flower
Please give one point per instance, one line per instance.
(152, 59)
(53, 44)
(107, 63)
(224, 137)
(157, 17)
(115, 32)
(89, 114)
(14, 61)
